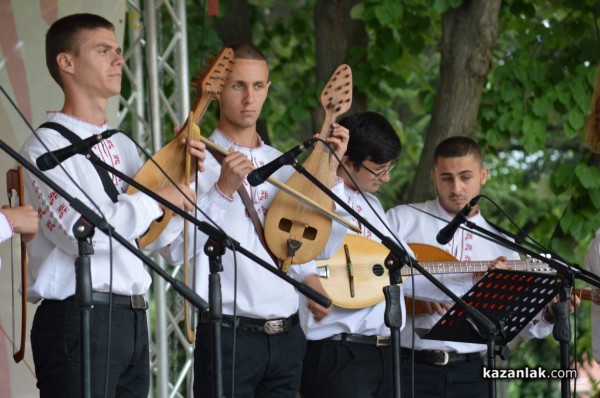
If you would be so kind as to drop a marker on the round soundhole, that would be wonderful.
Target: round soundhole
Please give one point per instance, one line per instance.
(378, 269)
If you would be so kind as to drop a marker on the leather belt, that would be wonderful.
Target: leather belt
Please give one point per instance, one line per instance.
(439, 358)
(136, 302)
(266, 326)
(377, 341)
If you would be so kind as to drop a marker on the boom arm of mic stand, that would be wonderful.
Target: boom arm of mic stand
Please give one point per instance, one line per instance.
(105, 227)
(401, 254)
(219, 236)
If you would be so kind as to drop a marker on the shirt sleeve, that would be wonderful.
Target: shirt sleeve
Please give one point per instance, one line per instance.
(212, 203)
(6, 229)
(130, 216)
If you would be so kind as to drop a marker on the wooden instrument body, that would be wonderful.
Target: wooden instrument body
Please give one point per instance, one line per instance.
(174, 157)
(287, 219)
(370, 275)
(294, 232)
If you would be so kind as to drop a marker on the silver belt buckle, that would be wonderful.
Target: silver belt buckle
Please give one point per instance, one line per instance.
(274, 326)
(382, 341)
(138, 302)
(444, 361)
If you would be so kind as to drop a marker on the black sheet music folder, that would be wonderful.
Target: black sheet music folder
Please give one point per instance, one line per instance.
(508, 298)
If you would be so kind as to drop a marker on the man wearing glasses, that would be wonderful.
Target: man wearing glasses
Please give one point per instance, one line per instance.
(379, 174)
(348, 353)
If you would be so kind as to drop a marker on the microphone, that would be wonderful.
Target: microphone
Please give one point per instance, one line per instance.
(50, 160)
(445, 235)
(259, 175)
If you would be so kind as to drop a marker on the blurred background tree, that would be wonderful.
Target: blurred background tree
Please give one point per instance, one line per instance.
(517, 75)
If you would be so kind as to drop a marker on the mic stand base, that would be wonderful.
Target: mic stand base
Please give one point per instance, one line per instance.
(84, 231)
(214, 251)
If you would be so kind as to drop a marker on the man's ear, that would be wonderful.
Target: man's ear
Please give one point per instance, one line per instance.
(346, 162)
(485, 172)
(65, 62)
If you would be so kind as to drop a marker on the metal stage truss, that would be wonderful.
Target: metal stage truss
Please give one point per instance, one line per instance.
(156, 62)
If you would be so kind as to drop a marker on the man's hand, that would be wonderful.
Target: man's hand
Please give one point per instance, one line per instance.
(173, 195)
(234, 168)
(198, 150)
(436, 308)
(318, 311)
(498, 263)
(339, 141)
(429, 307)
(548, 313)
(24, 220)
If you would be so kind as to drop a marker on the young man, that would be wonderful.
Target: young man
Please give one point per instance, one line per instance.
(262, 361)
(447, 368)
(84, 58)
(348, 353)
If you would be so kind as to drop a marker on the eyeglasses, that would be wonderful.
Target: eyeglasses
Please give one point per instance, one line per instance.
(378, 175)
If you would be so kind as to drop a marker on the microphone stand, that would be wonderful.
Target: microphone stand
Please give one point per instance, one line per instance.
(83, 230)
(214, 249)
(567, 272)
(395, 260)
(215, 234)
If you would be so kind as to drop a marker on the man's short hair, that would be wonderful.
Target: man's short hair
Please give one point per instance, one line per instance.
(372, 137)
(245, 50)
(458, 147)
(64, 34)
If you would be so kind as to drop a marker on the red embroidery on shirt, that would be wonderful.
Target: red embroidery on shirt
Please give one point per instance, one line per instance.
(263, 195)
(62, 210)
(52, 197)
(50, 225)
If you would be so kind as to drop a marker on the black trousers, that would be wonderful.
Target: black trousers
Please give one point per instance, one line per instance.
(55, 343)
(266, 366)
(346, 370)
(455, 380)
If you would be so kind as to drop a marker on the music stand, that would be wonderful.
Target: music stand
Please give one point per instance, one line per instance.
(508, 298)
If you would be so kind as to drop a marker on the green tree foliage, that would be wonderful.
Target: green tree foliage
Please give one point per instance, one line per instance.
(531, 117)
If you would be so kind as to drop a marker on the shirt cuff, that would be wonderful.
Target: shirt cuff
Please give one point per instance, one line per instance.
(300, 272)
(229, 198)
